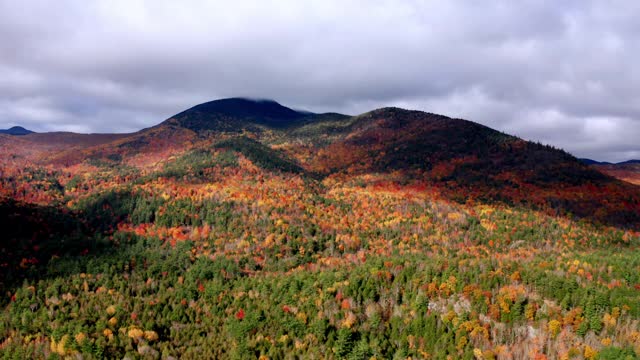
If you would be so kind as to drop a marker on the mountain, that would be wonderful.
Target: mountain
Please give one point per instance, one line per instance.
(593, 162)
(398, 139)
(629, 162)
(234, 114)
(628, 171)
(465, 160)
(461, 159)
(16, 130)
(244, 229)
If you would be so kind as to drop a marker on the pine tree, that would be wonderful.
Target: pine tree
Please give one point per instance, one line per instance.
(343, 343)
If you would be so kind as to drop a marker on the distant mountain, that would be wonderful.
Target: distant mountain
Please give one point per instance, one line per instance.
(16, 130)
(629, 162)
(234, 114)
(628, 171)
(595, 162)
(592, 162)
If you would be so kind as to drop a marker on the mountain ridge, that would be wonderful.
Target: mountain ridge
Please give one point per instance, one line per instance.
(628, 171)
(241, 111)
(596, 162)
(464, 160)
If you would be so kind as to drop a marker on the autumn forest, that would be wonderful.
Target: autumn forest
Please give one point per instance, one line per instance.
(243, 229)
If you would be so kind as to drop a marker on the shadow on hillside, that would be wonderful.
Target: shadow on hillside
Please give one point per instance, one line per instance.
(526, 174)
(33, 235)
(614, 204)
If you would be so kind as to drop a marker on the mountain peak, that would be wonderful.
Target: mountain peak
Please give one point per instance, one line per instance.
(242, 106)
(234, 113)
(250, 99)
(16, 130)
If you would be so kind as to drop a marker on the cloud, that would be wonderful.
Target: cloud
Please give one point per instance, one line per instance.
(562, 73)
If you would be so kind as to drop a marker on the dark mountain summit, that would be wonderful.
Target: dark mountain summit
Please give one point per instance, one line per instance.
(249, 108)
(16, 130)
(233, 114)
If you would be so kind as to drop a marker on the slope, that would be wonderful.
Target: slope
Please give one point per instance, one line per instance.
(333, 238)
(468, 161)
(628, 171)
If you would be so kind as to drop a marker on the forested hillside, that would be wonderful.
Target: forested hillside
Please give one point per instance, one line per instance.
(244, 229)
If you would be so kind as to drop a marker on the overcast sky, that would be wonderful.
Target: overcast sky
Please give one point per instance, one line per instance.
(560, 72)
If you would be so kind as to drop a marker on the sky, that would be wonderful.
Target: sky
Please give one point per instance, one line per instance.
(563, 73)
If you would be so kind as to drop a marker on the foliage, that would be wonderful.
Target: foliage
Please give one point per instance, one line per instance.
(229, 248)
(260, 154)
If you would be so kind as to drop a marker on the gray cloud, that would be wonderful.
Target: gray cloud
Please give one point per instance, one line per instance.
(562, 73)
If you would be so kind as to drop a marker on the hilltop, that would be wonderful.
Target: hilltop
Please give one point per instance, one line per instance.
(235, 113)
(16, 130)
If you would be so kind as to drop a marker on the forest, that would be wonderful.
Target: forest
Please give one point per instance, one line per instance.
(383, 236)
